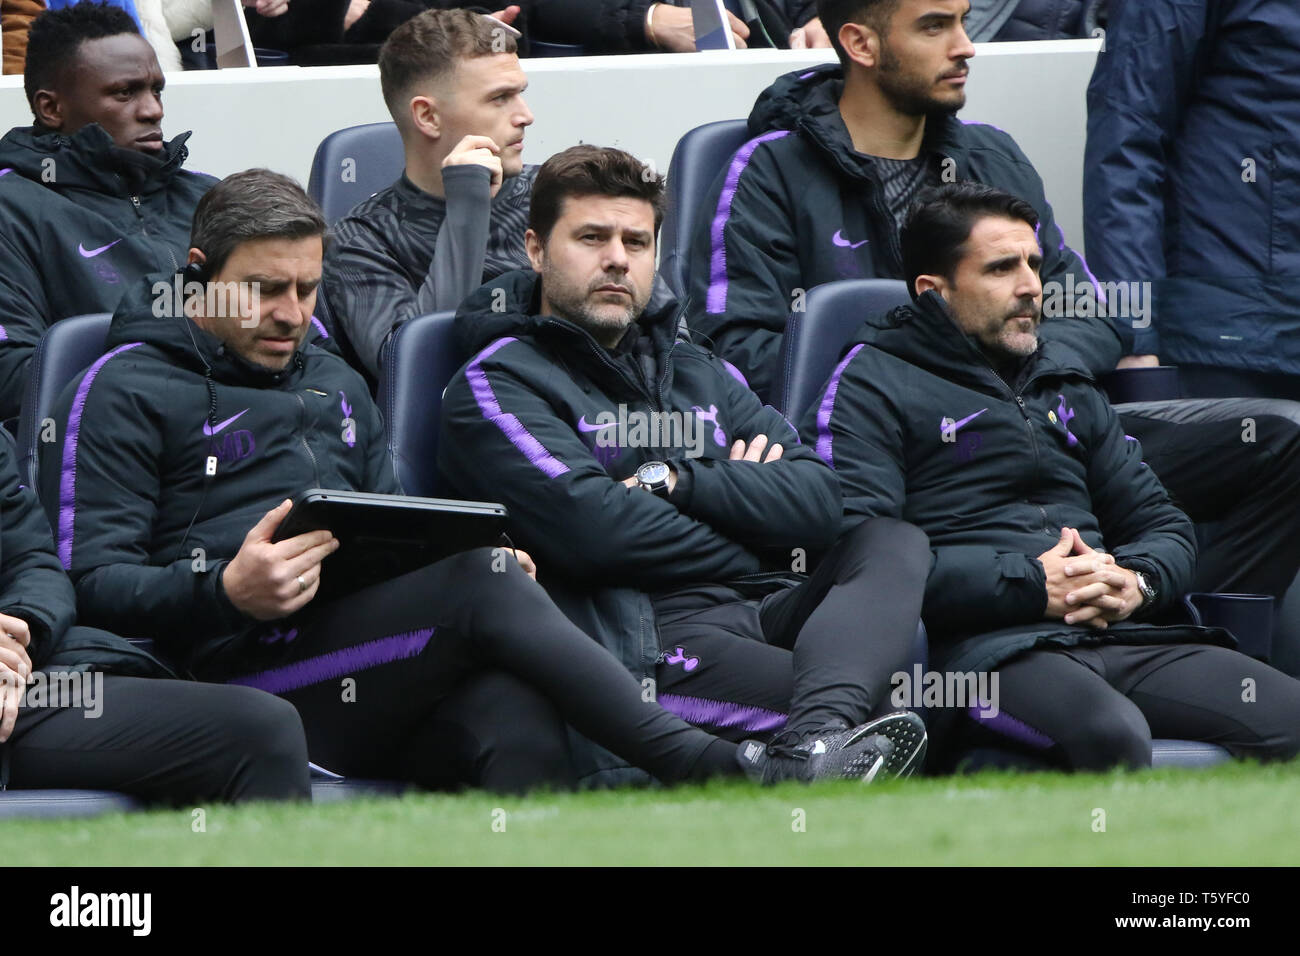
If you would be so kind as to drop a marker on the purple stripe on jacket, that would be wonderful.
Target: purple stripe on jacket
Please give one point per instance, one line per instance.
(827, 407)
(721, 714)
(716, 300)
(347, 660)
(68, 477)
(510, 426)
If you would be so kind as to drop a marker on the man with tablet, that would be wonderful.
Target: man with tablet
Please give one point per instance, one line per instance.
(178, 452)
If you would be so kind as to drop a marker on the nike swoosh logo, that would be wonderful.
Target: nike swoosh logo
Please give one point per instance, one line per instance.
(945, 428)
(839, 240)
(209, 430)
(91, 253)
(584, 427)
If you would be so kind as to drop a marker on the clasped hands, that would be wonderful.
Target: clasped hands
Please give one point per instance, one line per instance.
(1085, 586)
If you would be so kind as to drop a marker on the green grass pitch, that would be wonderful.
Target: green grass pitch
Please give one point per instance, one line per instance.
(1238, 814)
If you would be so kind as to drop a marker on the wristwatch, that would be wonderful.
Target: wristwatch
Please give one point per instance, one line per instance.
(653, 477)
(1149, 593)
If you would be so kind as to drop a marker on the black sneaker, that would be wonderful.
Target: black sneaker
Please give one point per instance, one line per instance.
(893, 745)
(906, 732)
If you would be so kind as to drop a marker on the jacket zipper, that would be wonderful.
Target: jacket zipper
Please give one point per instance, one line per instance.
(1029, 424)
(600, 354)
(144, 231)
(884, 215)
(1033, 443)
(303, 438)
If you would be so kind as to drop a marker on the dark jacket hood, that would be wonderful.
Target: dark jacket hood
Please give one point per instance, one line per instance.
(808, 101)
(89, 159)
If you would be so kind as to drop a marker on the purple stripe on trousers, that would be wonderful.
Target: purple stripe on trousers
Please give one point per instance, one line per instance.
(320, 327)
(716, 301)
(824, 450)
(4, 336)
(510, 426)
(7, 169)
(1008, 726)
(722, 714)
(347, 660)
(68, 478)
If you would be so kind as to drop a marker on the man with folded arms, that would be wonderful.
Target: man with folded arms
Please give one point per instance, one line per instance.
(669, 506)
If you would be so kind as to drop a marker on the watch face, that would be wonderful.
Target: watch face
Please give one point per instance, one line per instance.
(652, 473)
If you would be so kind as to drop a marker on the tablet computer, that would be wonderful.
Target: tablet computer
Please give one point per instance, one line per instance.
(384, 536)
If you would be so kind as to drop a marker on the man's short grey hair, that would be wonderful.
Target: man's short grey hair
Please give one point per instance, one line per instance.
(254, 204)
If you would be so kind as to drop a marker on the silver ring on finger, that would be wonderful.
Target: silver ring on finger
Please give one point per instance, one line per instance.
(302, 584)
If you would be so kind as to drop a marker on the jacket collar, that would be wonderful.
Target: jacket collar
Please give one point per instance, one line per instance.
(927, 336)
(808, 101)
(89, 159)
(510, 305)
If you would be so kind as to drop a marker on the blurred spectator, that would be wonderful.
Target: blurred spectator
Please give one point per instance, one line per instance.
(16, 18)
(619, 26)
(91, 195)
(1191, 182)
(1034, 19)
(323, 32)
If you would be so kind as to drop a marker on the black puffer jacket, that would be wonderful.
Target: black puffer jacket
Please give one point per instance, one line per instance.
(533, 421)
(81, 220)
(919, 426)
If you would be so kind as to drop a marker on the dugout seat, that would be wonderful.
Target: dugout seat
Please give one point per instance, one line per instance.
(420, 358)
(67, 348)
(49, 804)
(353, 164)
(815, 338)
(695, 163)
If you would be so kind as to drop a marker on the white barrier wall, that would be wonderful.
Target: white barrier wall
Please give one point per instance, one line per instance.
(275, 117)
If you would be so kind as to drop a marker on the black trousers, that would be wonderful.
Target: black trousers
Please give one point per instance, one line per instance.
(1234, 466)
(805, 657)
(1096, 707)
(394, 680)
(165, 741)
(493, 732)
